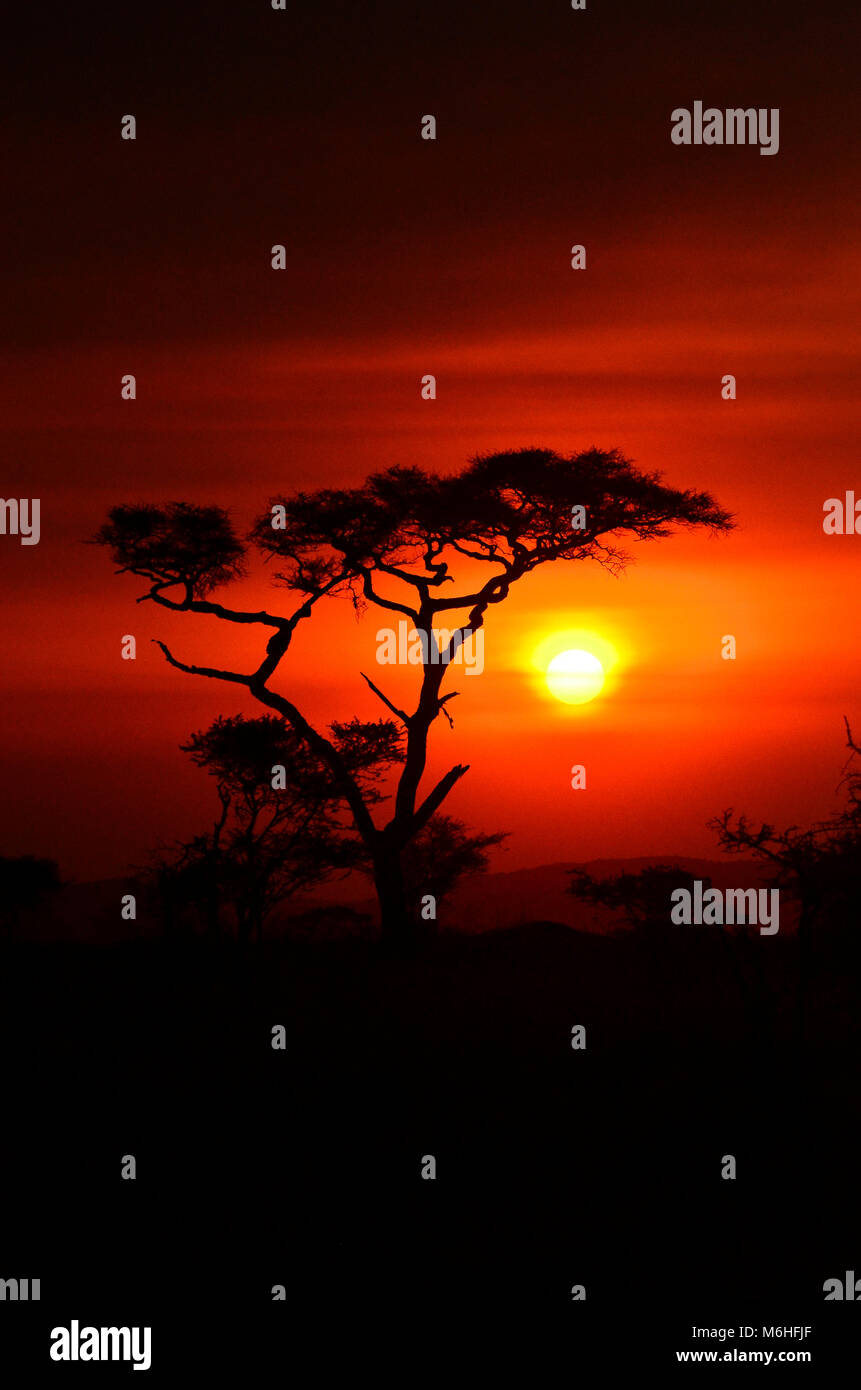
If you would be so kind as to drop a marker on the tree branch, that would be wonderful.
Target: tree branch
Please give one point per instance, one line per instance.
(386, 701)
(236, 677)
(435, 799)
(371, 594)
(217, 610)
(326, 752)
(441, 703)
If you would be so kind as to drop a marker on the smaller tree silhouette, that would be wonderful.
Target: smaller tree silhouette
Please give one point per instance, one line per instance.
(283, 825)
(819, 868)
(441, 855)
(641, 899)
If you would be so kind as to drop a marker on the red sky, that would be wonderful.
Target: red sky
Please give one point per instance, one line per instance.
(406, 257)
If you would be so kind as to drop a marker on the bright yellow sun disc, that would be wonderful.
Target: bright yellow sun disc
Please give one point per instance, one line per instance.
(575, 677)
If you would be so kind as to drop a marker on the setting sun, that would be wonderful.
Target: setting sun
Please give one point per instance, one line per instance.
(574, 665)
(575, 676)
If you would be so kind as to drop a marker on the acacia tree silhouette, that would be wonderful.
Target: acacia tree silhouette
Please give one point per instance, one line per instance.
(818, 866)
(642, 898)
(402, 530)
(274, 836)
(444, 852)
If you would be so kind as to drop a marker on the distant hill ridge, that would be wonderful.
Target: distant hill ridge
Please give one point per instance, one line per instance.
(503, 898)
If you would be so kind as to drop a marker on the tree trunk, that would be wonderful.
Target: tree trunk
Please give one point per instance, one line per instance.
(398, 932)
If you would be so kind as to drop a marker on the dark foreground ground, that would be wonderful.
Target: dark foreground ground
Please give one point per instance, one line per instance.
(555, 1167)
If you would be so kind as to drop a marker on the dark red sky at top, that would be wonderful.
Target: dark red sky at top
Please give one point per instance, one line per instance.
(407, 257)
